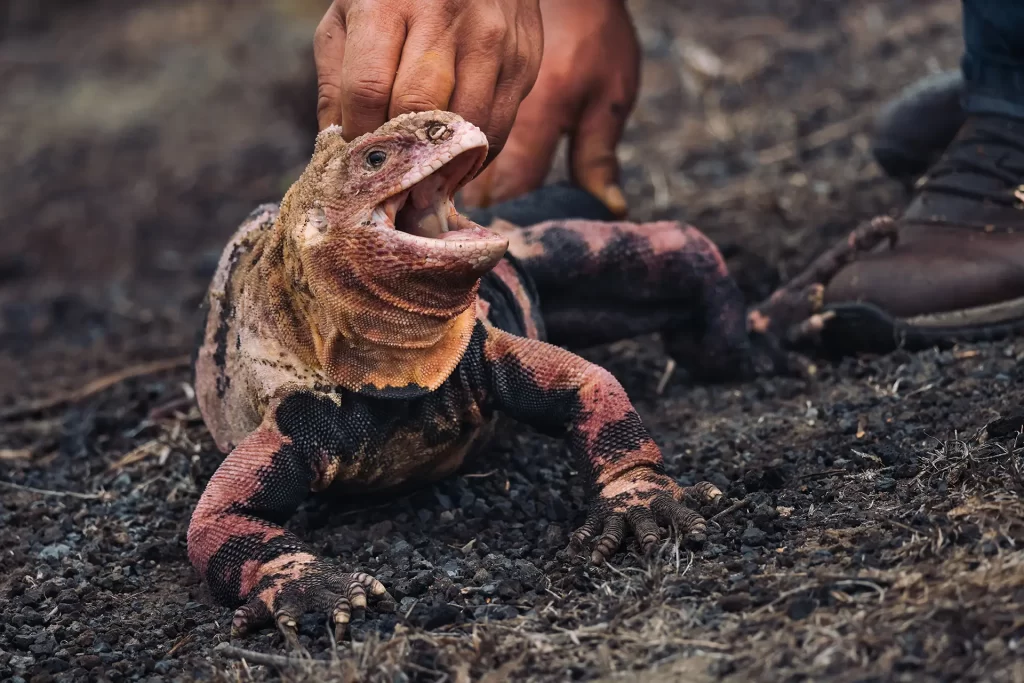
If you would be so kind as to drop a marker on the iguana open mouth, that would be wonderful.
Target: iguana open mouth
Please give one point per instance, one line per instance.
(423, 207)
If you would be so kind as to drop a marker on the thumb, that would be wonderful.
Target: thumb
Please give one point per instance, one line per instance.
(592, 160)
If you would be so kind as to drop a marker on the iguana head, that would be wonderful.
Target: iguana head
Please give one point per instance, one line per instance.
(372, 234)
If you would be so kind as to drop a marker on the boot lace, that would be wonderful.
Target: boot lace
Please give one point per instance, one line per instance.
(1003, 161)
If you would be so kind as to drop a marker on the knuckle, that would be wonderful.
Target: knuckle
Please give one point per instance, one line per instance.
(492, 30)
(368, 89)
(326, 29)
(326, 95)
(520, 62)
(413, 101)
(322, 34)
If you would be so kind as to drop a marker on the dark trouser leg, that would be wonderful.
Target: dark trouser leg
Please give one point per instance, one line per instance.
(993, 61)
(599, 282)
(914, 128)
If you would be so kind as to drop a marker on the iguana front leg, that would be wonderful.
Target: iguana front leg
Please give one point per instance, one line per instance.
(561, 394)
(235, 539)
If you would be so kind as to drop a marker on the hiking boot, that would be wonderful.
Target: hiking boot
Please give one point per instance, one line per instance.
(956, 272)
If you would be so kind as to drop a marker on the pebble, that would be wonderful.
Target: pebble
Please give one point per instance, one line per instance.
(753, 536)
(54, 551)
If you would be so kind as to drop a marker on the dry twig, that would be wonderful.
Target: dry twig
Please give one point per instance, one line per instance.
(95, 386)
(102, 495)
(729, 510)
(278, 661)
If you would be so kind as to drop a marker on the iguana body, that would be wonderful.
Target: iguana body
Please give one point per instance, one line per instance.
(364, 335)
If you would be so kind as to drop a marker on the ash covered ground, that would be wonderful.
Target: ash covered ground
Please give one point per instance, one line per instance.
(879, 537)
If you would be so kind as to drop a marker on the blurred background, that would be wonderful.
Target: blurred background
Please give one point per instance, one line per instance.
(135, 136)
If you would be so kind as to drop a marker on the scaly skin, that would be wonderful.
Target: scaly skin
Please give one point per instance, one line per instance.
(343, 353)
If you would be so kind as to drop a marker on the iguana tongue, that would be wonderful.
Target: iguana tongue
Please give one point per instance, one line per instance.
(461, 228)
(426, 210)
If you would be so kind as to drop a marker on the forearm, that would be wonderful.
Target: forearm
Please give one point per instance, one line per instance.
(563, 395)
(234, 538)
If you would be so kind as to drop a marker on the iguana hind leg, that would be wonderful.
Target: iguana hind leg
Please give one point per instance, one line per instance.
(600, 282)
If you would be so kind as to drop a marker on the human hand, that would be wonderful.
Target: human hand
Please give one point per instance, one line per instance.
(377, 59)
(586, 88)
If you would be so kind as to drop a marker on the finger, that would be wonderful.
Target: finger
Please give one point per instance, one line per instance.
(611, 539)
(579, 538)
(329, 54)
(516, 78)
(703, 491)
(367, 582)
(341, 615)
(685, 521)
(645, 528)
(809, 329)
(287, 624)
(477, 65)
(426, 71)
(593, 163)
(249, 617)
(373, 48)
(357, 597)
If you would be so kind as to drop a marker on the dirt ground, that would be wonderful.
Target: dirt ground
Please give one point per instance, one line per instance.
(879, 535)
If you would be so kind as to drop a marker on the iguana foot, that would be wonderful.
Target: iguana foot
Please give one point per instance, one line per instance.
(293, 585)
(641, 498)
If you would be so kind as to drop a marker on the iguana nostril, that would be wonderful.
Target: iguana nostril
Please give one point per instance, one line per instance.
(436, 131)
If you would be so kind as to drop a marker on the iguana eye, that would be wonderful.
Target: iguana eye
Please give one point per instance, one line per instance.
(376, 158)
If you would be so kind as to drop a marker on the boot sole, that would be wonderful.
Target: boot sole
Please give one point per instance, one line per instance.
(865, 328)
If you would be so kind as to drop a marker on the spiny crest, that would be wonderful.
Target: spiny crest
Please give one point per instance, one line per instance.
(328, 136)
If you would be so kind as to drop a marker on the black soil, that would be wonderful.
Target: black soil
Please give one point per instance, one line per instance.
(880, 535)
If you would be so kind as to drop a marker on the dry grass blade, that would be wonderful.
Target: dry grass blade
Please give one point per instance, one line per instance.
(135, 455)
(95, 386)
(102, 495)
(9, 454)
(981, 464)
(276, 661)
(834, 132)
(729, 510)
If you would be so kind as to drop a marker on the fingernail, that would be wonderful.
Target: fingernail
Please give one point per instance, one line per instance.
(615, 200)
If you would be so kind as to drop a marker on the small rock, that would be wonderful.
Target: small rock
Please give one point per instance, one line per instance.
(528, 572)
(510, 588)
(379, 530)
(495, 612)
(53, 552)
(441, 615)
(88, 661)
(453, 569)
(885, 484)
(19, 663)
(753, 536)
(399, 554)
(735, 603)
(55, 665)
(553, 536)
(165, 666)
(800, 608)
